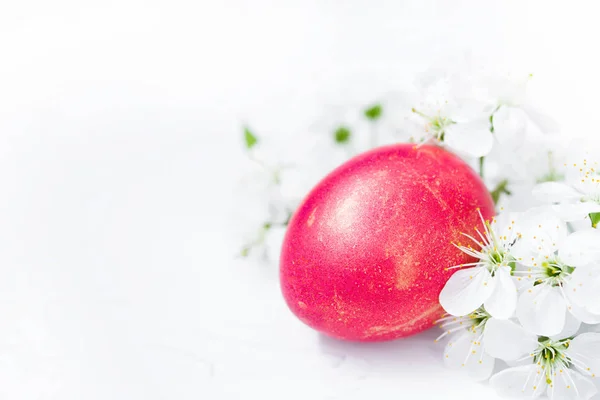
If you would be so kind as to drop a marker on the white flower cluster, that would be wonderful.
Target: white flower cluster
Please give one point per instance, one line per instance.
(525, 313)
(470, 117)
(531, 295)
(529, 298)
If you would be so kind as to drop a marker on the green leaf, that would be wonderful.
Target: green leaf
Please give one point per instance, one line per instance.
(245, 252)
(500, 189)
(342, 135)
(595, 217)
(481, 166)
(250, 139)
(374, 112)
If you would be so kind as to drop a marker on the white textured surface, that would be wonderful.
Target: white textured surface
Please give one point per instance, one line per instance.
(119, 149)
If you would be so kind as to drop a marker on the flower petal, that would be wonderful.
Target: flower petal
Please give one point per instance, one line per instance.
(571, 385)
(472, 138)
(584, 314)
(506, 228)
(585, 351)
(506, 340)
(503, 301)
(555, 192)
(541, 233)
(577, 287)
(544, 122)
(541, 310)
(526, 381)
(581, 248)
(466, 291)
(575, 211)
(509, 125)
(572, 325)
(464, 351)
(593, 328)
(583, 289)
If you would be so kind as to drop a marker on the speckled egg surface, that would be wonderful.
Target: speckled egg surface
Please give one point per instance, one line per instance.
(365, 254)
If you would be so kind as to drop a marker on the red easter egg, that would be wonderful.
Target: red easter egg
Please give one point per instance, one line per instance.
(365, 255)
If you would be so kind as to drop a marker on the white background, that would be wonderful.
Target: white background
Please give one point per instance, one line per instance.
(120, 149)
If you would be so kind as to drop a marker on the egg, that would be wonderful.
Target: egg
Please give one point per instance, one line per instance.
(368, 250)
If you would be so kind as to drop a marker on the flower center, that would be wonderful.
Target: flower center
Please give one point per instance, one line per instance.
(479, 318)
(436, 125)
(555, 272)
(497, 258)
(473, 322)
(551, 356)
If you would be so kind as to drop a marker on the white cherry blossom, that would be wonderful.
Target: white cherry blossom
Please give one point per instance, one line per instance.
(582, 250)
(579, 195)
(559, 368)
(544, 256)
(488, 280)
(266, 215)
(465, 134)
(464, 349)
(513, 114)
(449, 117)
(542, 305)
